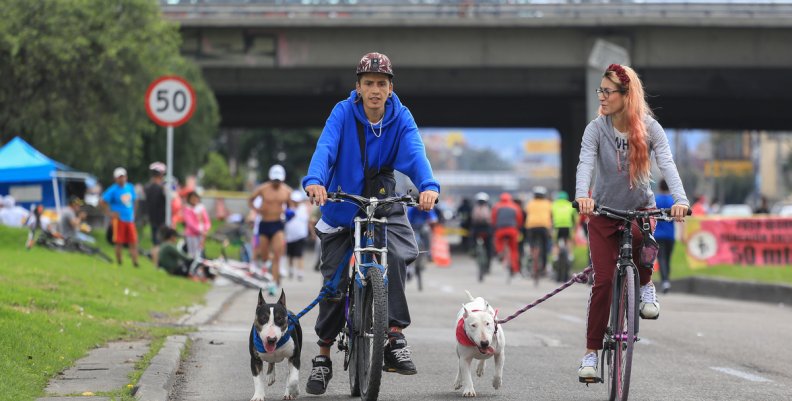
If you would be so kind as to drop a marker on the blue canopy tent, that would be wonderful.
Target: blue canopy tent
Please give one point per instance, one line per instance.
(33, 178)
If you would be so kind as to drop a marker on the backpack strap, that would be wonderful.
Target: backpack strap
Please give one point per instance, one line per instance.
(361, 134)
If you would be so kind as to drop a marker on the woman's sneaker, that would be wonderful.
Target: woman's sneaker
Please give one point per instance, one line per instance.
(397, 355)
(649, 308)
(587, 372)
(321, 373)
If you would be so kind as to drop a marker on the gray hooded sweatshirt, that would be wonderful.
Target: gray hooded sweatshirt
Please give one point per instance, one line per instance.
(606, 149)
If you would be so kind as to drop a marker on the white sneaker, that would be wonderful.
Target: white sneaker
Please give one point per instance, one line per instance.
(588, 366)
(649, 308)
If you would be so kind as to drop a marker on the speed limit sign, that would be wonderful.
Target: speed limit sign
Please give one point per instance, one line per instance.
(170, 101)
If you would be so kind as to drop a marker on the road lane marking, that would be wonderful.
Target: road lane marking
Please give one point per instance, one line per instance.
(743, 375)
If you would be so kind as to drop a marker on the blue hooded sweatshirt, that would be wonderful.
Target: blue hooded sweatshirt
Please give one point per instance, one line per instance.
(337, 161)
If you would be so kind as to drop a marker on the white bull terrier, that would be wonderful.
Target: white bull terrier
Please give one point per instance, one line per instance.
(478, 337)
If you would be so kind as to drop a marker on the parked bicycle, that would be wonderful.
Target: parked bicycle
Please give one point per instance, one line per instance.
(41, 236)
(366, 309)
(622, 331)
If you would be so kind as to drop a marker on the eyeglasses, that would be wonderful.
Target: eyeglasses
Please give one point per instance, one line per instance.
(606, 92)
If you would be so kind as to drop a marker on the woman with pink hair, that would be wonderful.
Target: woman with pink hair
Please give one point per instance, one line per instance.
(618, 144)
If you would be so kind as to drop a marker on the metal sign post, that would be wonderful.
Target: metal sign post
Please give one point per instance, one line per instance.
(170, 102)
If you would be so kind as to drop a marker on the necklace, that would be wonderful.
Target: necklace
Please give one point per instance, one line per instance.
(372, 125)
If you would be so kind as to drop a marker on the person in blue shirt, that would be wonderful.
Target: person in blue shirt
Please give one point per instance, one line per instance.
(421, 223)
(120, 199)
(366, 138)
(664, 234)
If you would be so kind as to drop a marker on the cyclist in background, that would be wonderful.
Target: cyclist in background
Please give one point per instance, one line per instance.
(480, 223)
(366, 138)
(421, 223)
(664, 234)
(539, 223)
(506, 220)
(618, 144)
(564, 216)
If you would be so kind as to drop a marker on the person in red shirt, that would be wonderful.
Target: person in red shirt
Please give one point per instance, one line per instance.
(507, 218)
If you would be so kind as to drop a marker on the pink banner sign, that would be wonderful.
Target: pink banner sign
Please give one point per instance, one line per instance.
(743, 241)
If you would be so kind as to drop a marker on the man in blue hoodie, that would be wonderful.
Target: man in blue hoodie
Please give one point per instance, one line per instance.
(366, 137)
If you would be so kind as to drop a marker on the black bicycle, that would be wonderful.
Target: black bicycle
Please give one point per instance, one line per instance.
(38, 235)
(366, 309)
(622, 331)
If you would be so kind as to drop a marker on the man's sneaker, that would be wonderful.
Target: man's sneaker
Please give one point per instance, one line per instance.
(649, 308)
(588, 367)
(321, 373)
(666, 286)
(397, 355)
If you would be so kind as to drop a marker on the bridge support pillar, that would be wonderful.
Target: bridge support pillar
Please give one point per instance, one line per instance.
(602, 54)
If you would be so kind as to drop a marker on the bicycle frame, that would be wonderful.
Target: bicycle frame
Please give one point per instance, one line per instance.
(365, 254)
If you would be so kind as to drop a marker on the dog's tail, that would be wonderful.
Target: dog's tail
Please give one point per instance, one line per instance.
(471, 297)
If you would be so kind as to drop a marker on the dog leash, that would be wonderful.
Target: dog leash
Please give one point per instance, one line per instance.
(581, 277)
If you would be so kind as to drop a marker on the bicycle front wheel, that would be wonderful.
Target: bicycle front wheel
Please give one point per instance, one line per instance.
(373, 309)
(624, 336)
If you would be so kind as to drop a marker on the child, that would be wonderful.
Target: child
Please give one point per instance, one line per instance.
(173, 260)
(297, 233)
(196, 225)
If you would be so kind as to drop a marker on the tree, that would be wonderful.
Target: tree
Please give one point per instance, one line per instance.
(74, 75)
(216, 173)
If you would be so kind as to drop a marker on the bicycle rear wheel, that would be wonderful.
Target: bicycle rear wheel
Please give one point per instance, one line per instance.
(371, 336)
(481, 259)
(623, 327)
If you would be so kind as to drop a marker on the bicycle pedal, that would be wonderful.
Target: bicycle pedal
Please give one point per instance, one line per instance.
(590, 380)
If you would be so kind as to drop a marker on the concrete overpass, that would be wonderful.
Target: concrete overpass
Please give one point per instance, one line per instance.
(704, 65)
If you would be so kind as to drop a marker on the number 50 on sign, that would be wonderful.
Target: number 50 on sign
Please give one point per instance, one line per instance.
(170, 101)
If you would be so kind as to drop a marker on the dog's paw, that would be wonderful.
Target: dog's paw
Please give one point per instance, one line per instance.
(457, 385)
(469, 392)
(480, 369)
(271, 379)
(289, 397)
(257, 397)
(496, 382)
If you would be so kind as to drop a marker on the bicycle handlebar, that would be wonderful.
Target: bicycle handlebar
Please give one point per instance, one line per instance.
(341, 196)
(661, 214)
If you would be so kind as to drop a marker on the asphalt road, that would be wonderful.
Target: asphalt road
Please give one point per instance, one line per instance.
(700, 349)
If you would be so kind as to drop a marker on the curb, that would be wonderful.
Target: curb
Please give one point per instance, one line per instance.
(157, 381)
(739, 290)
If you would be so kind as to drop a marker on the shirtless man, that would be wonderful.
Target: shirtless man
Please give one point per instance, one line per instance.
(274, 196)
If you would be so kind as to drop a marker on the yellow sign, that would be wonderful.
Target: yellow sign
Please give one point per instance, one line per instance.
(721, 168)
(542, 146)
(455, 138)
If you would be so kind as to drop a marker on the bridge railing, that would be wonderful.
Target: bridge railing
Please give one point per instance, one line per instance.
(439, 12)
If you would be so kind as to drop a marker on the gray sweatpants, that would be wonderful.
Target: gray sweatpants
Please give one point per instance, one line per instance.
(402, 251)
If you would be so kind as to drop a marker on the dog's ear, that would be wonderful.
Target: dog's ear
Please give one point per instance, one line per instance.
(466, 313)
(282, 299)
(261, 298)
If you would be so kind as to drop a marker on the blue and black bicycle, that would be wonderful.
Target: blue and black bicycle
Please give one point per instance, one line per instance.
(366, 306)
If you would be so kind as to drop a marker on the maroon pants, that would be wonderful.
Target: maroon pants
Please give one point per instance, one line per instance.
(604, 248)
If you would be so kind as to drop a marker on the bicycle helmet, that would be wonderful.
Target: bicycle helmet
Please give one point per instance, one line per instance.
(375, 62)
(158, 167)
(482, 197)
(562, 195)
(540, 190)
